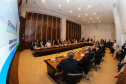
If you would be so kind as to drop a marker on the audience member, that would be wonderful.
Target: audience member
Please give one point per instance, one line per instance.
(48, 44)
(69, 65)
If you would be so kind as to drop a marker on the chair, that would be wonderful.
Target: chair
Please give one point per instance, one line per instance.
(87, 68)
(73, 78)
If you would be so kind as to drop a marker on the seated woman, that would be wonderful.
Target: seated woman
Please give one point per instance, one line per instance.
(116, 52)
(121, 71)
(121, 64)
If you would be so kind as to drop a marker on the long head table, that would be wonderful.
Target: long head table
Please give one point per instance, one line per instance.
(55, 49)
(51, 66)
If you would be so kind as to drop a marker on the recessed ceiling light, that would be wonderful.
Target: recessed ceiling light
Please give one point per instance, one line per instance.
(93, 21)
(84, 19)
(99, 21)
(89, 6)
(59, 6)
(97, 17)
(90, 18)
(79, 8)
(94, 13)
(78, 15)
(71, 11)
(86, 14)
(88, 22)
(68, 1)
(43, 0)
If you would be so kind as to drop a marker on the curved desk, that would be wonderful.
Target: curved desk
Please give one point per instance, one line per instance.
(56, 49)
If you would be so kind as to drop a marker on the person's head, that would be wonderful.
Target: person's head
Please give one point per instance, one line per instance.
(32, 41)
(36, 40)
(70, 55)
(114, 41)
(118, 46)
(58, 40)
(41, 42)
(48, 40)
(85, 50)
(53, 40)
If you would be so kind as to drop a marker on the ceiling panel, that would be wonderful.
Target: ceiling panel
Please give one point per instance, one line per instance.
(98, 11)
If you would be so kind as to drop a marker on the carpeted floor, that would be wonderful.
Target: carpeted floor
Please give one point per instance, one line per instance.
(33, 70)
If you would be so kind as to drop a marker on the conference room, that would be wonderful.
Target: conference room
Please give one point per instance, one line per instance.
(62, 42)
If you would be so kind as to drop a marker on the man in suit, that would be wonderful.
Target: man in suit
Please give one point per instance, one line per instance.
(72, 41)
(97, 55)
(86, 58)
(58, 42)
(69, 65)
(32, 45)
(53, 43)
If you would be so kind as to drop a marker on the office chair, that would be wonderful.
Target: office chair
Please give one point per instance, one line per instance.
(86, 69)
(73, 78)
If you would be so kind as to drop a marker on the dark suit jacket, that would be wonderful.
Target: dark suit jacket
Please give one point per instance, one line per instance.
(57, 42)
(69, 66)
(85, 60)
(97, 56)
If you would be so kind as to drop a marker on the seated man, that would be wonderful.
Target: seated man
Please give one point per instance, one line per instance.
(58, 42)
(41, 44)
(72, 41)
(86, 58)
(48, 44)
(53, 43)
(69, 65)
(69, 41)
(97, 55)
(32, 45)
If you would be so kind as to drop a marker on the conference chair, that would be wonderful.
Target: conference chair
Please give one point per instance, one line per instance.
(86, 69)
(73, 78)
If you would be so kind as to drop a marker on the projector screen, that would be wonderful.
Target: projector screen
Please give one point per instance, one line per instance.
(9, 35)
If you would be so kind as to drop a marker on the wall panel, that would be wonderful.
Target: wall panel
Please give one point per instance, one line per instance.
(49, 28)
(41, 27)
(33, 27)
(38, 30)
(58, 28)
(73, 30)
(44, 28)
(54, 29)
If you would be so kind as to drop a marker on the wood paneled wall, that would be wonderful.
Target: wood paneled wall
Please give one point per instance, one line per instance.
(41, 27)
(73, 30)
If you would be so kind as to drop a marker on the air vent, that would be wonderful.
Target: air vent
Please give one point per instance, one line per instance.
(114, 5)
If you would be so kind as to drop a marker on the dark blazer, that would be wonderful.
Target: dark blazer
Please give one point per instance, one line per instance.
(85, 60)
(69, 66)
(97, 56)
(57, 42)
